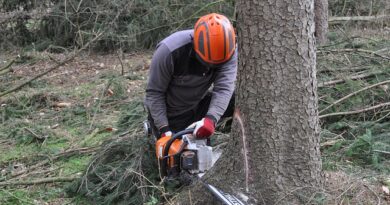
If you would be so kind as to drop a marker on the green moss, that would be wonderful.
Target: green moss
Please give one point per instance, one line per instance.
(74, 165)
(19, 151)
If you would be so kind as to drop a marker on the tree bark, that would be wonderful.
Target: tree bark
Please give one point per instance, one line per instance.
(321, 20)
(273, 154)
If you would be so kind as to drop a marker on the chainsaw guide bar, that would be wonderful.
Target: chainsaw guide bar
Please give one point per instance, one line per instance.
(223, 197)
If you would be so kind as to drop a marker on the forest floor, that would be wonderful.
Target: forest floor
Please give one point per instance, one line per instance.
(51, 128)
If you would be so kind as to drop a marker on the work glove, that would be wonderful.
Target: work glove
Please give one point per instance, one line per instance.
(165, 131)
(204, 128)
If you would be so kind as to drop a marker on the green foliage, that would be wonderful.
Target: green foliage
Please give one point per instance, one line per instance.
(129, 25)
(356, 7)
(361, 145)
(131, 116)
(361, 148)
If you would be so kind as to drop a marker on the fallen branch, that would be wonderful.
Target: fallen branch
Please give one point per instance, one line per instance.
(382, 152)
(68, 59)
(344, 69)
(39, 181)
(355, 111)
(34, 134)
(3, 72)
(330, 143)
(8, 65)
(364, 75)
(354, 93)
(359, 50)
(336, 19)
(67, 153)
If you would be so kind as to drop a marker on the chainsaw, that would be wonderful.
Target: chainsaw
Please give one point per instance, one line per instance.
(184, 154)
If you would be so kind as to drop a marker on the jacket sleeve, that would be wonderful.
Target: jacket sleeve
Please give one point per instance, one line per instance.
(223, 88)
(160, 74)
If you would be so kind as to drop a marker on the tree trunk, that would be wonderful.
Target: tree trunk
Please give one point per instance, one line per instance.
(273, 156)
(321, 20)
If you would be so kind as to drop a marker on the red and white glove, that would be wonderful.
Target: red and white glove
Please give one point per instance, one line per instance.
(165, 131)
(204, 128)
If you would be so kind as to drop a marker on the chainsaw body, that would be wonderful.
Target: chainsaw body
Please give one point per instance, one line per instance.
(183, 152)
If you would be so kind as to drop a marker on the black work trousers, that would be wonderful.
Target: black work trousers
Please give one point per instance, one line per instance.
(182, 121)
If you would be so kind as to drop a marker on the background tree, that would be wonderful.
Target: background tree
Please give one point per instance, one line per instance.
(273, 154)
(321, 20)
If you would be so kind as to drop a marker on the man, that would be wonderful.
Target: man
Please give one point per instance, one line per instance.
(184, 67)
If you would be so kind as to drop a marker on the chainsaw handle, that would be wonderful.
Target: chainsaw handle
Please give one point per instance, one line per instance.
(168, 146)
(183, 132)
(174, 137)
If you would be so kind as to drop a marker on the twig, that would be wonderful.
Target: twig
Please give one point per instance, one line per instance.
(381, 151)
(355, 111)
(119, 54)
(379, 199)
(5, 71)
(196, 12)
(155, 186)
(67, 153)
(70, 58)
(380, 119)
(334, 19)
(345, 191)
(333, 82)
(8, 65)
(99, 104)
(343, 69)
(39, 181)
(360, 50)
(35, 135)
(40, 172)
(189, 195)
(354, 93)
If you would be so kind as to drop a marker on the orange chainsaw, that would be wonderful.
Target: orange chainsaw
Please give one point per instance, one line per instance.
(183, 153)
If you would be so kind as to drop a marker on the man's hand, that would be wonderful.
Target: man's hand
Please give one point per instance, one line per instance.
(204, 128)
(165, 131)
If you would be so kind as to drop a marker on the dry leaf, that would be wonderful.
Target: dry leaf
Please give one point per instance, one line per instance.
(110, 129)
(110, 92)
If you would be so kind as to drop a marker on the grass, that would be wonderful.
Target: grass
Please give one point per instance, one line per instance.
(91, 119)
(73, 165)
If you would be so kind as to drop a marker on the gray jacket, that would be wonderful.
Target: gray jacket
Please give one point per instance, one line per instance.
(178, 81)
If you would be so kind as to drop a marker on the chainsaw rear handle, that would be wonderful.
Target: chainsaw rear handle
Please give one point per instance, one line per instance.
(165, 157)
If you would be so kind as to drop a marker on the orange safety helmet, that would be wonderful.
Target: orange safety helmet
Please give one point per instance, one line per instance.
(214, 39)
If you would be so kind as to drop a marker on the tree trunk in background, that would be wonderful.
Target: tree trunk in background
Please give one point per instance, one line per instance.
(274, 156)
(321, 20)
